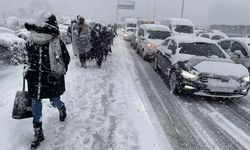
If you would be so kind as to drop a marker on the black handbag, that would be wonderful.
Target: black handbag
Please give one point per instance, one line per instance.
(23, 105)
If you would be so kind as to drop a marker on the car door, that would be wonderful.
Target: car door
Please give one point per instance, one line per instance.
(167, 63)
(161, 49)
(243, 58)
(140, 39)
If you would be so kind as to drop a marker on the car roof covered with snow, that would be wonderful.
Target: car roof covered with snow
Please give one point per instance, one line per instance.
(239, 39)
(155, 27)
(180, 21)
(190, 39)
(6, 31)
(8, 37)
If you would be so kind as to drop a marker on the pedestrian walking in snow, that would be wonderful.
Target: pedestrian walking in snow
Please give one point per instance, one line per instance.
(74, 37)
(48, 61)
(83, 40)
(96, 42)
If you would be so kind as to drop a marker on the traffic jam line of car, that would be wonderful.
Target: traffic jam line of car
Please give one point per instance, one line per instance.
(188, 119)
(193, 64)
(203, 74)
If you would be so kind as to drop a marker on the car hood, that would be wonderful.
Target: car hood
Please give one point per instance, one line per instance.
(155, 41)
(221, 68)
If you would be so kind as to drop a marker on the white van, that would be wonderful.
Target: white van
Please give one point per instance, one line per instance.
(179, 25)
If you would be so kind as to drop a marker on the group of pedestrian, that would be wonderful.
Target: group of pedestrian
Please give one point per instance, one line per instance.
(48, 60)
(91, 42)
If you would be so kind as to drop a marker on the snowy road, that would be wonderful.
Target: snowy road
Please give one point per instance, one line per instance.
(125, 105)
(193, 122)
(106, 110)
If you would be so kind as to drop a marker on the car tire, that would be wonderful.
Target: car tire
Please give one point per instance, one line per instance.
(173, 83)
(156, 65)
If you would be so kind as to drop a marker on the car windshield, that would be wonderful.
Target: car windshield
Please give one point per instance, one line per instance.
(184, 29)
(131, 25)
(161, 35)
(201, 49)
(130, 30)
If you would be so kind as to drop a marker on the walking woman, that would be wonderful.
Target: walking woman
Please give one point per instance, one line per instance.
(83, 40)
(48, 61)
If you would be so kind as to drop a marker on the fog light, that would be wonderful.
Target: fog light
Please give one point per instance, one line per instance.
(189, 87)
(244, 91)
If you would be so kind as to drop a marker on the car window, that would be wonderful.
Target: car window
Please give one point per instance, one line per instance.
(205, 36)
(237, 46)
(165, 43)
(217, 37)
(184, 29)
(172, 46)
(141, 32)
(201, 49)
(158, 34)
(225, 45)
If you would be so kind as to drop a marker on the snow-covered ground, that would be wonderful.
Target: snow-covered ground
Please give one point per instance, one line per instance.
(107, 110)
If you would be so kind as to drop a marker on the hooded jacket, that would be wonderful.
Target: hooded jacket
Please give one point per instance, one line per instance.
(82, 37)
(42, 83)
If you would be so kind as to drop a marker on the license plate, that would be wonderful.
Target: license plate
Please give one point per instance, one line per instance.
(222, 89)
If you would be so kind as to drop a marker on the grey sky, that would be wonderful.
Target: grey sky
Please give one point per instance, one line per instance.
(202, 12)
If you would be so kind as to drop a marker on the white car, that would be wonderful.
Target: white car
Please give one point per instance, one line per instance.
(151, 35)
(199, 66)
(238, 49)
(128, 33)
(11, 47)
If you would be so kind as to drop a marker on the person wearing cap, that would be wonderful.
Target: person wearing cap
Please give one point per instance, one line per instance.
(48, 61)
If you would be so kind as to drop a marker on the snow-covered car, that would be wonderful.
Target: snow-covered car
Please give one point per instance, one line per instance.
(127, 34)
(11, 47)
(179, 25)
(215, 35)
(151, 35)
(199, 66)
(23, 33)
(238, 49)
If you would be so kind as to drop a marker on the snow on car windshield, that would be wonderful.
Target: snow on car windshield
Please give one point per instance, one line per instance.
(201, 49)
(158, 34)
(184, 29)
(130, 30)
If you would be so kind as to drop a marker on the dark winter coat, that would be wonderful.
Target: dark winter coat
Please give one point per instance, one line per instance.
(96, 38)
(51, 85)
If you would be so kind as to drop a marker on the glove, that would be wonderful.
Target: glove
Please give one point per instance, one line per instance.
(25, 70)
(29, 26)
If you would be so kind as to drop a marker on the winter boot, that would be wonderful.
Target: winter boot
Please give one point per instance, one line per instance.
(62, 113)
(38, 137)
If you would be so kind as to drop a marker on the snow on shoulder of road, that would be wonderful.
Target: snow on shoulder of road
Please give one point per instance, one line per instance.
(105, 110)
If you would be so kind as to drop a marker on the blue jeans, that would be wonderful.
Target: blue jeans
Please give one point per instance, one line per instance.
(37, 107)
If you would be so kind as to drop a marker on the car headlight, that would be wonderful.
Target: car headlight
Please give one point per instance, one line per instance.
(151, 45)
(246, 79)
(188, 75)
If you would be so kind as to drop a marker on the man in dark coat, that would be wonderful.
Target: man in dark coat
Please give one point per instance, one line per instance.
(44, 79)
(96, 42)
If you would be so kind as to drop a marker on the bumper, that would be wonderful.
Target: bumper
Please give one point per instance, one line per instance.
(149, 55)
(127, 38)
(202, 89)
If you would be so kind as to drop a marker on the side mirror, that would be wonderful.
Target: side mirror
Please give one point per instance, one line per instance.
(168, 53)
(238, 53)
(142, 38)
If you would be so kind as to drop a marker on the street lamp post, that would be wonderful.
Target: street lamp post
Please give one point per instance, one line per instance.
(182, 9)
(154, 10)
